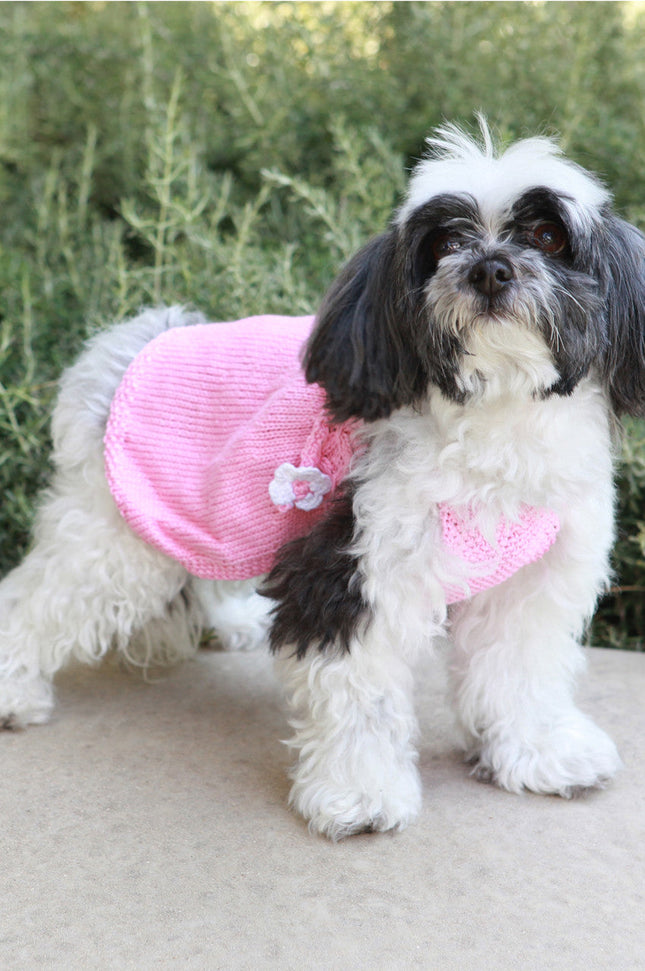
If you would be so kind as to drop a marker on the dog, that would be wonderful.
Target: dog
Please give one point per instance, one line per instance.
(467, 367)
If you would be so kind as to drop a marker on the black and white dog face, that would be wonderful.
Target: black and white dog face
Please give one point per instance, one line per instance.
(497, 273)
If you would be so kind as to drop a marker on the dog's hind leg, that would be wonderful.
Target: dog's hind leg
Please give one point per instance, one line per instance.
(238, 615)
(87, 585)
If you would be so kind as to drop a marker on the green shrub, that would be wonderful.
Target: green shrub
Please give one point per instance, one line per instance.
(231, 156)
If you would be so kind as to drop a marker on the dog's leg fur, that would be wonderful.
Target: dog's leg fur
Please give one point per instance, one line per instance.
(354, 723)
(234, 610)
(88, 583)
(517, 657)
(354, 733)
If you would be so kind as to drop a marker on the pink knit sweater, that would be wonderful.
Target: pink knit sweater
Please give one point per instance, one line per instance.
(217, 452)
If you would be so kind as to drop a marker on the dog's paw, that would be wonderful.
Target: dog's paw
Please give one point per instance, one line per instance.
(337, 812)
(237, 616)
(25, 702)
(563, 759)
(249, 636)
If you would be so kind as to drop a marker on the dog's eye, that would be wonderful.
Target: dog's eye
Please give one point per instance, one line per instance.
(445, 243)
(548, 237)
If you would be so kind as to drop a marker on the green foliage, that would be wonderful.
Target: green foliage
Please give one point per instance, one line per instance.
(621, 620)
(231, 155)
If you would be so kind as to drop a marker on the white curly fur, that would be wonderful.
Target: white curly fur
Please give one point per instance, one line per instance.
(516, 648)
(89, 584)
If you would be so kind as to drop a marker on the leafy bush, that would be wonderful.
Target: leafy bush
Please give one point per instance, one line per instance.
(232, 155)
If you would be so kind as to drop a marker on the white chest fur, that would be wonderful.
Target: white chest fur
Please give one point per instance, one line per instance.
(492, 455)
(494, 452)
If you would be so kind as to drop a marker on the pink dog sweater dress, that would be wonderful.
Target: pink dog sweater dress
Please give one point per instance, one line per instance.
(217, 452)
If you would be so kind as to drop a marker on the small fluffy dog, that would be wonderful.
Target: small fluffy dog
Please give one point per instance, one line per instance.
(476, 355)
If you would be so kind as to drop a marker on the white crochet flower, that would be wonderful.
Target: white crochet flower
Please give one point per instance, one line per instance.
(304, 488)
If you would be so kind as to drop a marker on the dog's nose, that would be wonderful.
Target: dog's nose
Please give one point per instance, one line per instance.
(490, 275)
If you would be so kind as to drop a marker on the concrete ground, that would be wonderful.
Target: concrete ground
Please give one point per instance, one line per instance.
(146, 828)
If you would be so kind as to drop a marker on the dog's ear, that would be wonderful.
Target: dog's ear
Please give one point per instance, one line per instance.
(624, 262)
(363, 349)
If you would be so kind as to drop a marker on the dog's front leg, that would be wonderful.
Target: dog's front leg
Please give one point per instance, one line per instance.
(354, 734)
(515, 663)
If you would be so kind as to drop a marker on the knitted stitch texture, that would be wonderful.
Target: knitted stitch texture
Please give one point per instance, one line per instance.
(217, 452)
(516, 545)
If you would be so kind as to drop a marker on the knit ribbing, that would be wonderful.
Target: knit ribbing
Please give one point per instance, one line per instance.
(516, 544)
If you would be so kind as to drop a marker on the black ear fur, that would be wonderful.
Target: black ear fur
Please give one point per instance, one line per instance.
(624, 261)
(363, 349)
